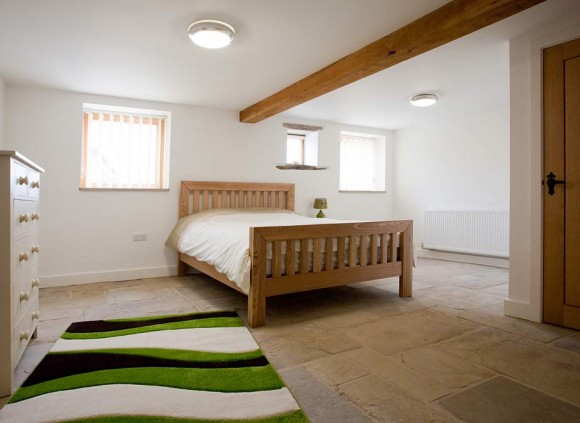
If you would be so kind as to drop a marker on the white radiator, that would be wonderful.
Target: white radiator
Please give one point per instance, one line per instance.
(479, 232)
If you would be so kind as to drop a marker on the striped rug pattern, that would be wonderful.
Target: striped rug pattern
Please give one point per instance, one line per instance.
(202, 367)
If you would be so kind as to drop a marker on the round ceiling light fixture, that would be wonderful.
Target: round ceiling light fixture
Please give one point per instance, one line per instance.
(424, 100)
(211, 34)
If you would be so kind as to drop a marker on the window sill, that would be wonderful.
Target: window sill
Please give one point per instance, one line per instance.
(362, 192)
(290, 166)
(125, 189)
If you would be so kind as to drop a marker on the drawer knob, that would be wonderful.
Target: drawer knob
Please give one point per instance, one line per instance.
(35, 315)
(35, 184)
(35, 282)
(35, 216)
(24, 335)
(23, 180)
(23, 256)
(24, 217)
(25, 296)
(35, 248)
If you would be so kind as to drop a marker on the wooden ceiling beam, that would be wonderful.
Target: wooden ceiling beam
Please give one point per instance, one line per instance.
(450, 22)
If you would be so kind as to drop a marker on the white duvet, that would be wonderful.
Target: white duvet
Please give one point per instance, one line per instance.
(221, 237)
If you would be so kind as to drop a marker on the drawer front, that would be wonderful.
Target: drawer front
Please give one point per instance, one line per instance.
(24, 294)
(33, 184)
(26, 218)
(25, 257)
(20, 180)
(23, 331)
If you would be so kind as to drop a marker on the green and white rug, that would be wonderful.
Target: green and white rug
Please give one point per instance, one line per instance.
(203, 367)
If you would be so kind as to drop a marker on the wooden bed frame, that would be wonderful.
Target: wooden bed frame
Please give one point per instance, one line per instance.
(361, 251)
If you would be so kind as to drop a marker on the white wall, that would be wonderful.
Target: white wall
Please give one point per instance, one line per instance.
(525, 289)
(459, 163)
(2, 111)
(86, 236)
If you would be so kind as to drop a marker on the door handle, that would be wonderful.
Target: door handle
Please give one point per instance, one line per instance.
(552, 182)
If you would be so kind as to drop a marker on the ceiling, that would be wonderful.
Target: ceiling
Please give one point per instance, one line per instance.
(140, 49)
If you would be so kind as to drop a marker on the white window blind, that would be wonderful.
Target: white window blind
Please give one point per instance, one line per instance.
(362, 162)
(124, 149)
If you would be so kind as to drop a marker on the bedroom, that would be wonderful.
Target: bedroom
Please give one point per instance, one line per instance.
(86, 236)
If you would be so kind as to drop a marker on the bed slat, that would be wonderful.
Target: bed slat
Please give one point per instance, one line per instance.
(340, 252)
(393, 246)
(316, 254)
(277, 259)
(195, 201)
(290, 258)
(352, 251)
(303, 256)
(373, 249)
(328, 255)
(363, 250)
(384, 248)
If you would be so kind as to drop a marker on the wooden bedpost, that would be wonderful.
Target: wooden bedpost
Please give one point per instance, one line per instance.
(181, 266)
(182, 212)
(406, 256)
(257, 293)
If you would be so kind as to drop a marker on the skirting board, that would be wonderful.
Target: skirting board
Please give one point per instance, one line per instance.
(522, 310)
(112, 276)
(464, 258)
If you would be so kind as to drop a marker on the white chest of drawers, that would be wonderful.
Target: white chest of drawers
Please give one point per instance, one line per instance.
(19, 254)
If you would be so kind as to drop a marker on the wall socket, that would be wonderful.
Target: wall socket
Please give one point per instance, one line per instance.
(139, 236)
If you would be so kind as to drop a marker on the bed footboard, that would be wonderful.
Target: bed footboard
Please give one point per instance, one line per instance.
(288, 259)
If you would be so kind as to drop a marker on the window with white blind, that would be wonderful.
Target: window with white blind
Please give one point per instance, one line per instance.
(362, 162)
(124, 148)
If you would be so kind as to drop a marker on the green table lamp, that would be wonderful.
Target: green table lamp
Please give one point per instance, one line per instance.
(320, 204)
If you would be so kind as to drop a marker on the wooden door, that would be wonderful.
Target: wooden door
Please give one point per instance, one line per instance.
(562, 184)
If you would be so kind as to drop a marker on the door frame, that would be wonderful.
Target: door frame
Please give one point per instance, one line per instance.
(525, 299)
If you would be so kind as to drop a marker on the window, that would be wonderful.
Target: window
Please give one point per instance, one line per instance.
(124, 148)
(295, 149)
(362, 162)
(302, 147)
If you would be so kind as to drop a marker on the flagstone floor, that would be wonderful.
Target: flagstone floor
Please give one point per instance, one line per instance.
(362, 354)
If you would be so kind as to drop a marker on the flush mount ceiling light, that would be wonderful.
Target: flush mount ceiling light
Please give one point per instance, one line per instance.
(211, 34)
(424, 100)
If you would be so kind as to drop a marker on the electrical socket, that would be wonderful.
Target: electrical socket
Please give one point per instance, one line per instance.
(139, 236)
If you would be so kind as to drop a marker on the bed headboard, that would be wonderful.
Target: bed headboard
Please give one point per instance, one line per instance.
(196, 196)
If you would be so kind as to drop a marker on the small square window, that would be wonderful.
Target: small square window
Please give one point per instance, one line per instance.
(295, 149)
(124, 148)
(302, 147)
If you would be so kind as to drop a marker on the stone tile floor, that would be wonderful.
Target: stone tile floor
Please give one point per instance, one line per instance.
(362, 354)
